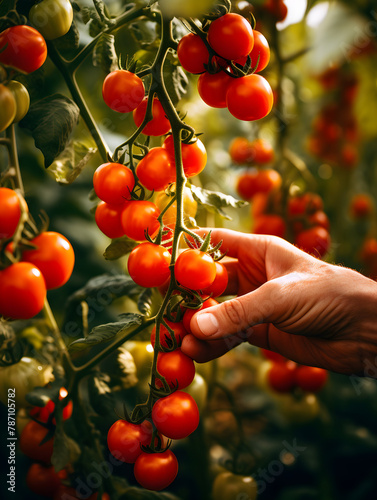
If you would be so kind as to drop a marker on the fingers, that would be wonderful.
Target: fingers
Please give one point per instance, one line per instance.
(202, 351)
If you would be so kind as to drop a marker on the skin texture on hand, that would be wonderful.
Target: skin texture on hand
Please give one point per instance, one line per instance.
(312, 312)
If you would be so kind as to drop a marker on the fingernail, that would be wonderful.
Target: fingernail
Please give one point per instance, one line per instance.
(207, 323)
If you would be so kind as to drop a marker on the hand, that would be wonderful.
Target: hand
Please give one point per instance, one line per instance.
(310, 311)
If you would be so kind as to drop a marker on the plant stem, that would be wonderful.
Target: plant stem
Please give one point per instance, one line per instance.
(13, 157)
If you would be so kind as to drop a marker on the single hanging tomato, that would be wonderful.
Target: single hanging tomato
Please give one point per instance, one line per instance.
(125, 439)
(176, 416)
(109, 219)
(113, 183)
(213, 88)
(22, 291)
(10, 211)
(52, 18)
(165, 335)
(218, 286)
(22, 98)
(195, 269)
(176, 367)
(155, 471)
(249, 98)
(139, 217)
(315, 241)
(148, 265)
(156, 170)
(158, 125)
(310, 378)
(122, 91)
(8, 108)
(26, 49)
(192, 53)
(281, 376)
(231, 36)
(194, 155)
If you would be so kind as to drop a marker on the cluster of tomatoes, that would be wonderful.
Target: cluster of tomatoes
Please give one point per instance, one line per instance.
(335, 134)
(284, 376)
(227, 56)
(40, 264)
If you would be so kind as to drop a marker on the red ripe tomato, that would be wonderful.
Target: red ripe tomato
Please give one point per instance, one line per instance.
(140, 217)
(273, 356)
(190, 312)
(218, 286)
(260, 50)
(123, 91)
(155, 471)
(109, 219)
(277, 9)
(315, 241)
(113, 183)
(44, 480)
(22, 291)
(43, 414)
(10, 212)
(213, 88)
(306, 203)
(281, 376)
(258, 181)
(54, 257)
(194, 155)
(319, 218)
(192, 53)
(125, 439)
(349, 156)
(30, 442)
(310, 378)
(261, 152)
(270, 224)
(148, 265)
(26, 49)
(177, 368)
(179, 333)
(156, 170)
(260, 204)
(369, 251)
(249, 97)
(158, 125)
(176, 416)
(231, 36)
(239, 150)
(195, 269)
(361, 206)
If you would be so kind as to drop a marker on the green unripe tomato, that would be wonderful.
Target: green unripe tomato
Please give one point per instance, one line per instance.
(8, 107)
(229, 486)
(22, 98)
(52, 18)
(198, 389)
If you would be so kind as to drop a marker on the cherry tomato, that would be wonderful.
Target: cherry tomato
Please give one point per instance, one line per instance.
(109, 219)
(213, 88)
(227, 486)
(270, 224)
(219, 284)
(194, 155)
(299, 411)
(176, 416)
(190, 206)
(54, 257)
(177, 368)
(249, 97)
(155, 471)
(315, 241)
(10, 211)
(195, 269)
(148, 265)
(26, 49)
(260, 53)
(123, 91)
(189, 313)
(261, 152)
(165, 335)
(361, 206)
(30, 442)
(113, 183)
(307, 203)
(281, 376)
(156, 170)
(43, 414)
(258, 181)
(231, 36)
(273, 356)
(125, 439)
(139, 217)
(8, 108)
(158, 125)
(319, 218)
(198, 389)
(44, 480)
(310, 378)
(277, 9)
(22, 291)
(52, 18)
(239, 150)
(22, 98)
(192, 53)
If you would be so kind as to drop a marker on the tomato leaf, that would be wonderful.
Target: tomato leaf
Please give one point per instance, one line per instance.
(175, 79)
(71, 162)
(104, 333)
(58, 110)
(144, 304)
(66, 450)
(119, 247)
(215, 202)
(104, 54)
(68, 43)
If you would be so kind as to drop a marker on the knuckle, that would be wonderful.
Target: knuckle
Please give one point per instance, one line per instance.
(235, 313)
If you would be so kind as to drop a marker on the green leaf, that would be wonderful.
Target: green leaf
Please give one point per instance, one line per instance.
(145, 303)
(104, 54)
(215, 202)
(104, 333)
(66, 450)
(51, 121)
(176, 81)
(119, 247)
(71, 162)
(68, 43)
(88, 13)
(95, 27)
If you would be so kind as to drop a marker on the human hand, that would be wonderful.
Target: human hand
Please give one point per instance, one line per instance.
(309, 311)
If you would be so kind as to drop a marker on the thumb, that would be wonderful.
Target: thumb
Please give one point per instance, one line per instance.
(237, 316)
